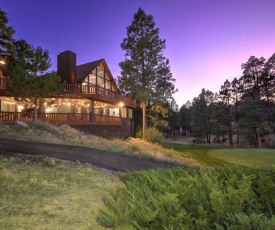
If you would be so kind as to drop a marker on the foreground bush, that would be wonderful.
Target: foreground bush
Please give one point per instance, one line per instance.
(226, 198)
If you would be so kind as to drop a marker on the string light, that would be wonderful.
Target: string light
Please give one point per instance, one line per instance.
(51, 104)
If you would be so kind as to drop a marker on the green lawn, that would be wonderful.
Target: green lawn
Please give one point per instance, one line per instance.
(197, 152)
(259, 158)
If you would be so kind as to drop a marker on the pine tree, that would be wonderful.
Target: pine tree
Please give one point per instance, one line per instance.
(252, 74)
(267, 87)
(201, 114)
(226, 97)
(186, 111)
(6, 34)
(258, 96)
(30, 76)
(145, 72)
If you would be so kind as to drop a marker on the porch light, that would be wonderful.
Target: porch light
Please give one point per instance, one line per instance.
(2, 62)
(121, 104)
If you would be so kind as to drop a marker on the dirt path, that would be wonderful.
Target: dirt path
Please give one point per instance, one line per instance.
(95, 157)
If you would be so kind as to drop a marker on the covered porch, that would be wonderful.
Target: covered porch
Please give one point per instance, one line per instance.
(71, 111)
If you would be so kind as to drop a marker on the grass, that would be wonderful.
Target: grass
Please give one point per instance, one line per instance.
(199, 153)
(220, 156)
(42, 193)
(64, 134)
(259, 158)
(38, 193)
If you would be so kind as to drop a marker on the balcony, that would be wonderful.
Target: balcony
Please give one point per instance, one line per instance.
(96, 92)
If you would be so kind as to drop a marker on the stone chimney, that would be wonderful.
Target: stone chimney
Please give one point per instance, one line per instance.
(66, 66)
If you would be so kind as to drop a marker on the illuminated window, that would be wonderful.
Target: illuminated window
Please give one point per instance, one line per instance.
(92, 79)
(107, 84)
(130, 113)
(100, 82)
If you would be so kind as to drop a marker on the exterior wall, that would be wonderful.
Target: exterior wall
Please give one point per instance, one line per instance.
(126, 129)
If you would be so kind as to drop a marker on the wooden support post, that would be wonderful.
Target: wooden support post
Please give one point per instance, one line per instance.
(92, 111)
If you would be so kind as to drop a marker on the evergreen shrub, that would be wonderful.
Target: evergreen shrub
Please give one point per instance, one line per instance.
(225, 198)
(198, 140)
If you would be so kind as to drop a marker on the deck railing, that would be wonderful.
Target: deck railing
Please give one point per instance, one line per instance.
(62, 118)
(99, 119)
(91, 90)
(100, 91)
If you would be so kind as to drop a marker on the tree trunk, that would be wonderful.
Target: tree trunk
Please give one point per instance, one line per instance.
(257, 139)
(238, 138)
(143, 119)
(230, 134)
(269, 124)
(208, 138)
(35, 109)
(269, 138)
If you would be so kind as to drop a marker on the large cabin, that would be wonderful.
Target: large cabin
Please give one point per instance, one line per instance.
(90, 99)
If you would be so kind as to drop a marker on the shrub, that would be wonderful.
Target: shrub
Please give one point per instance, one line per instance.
(105, 134)
(153, 135)
(217, 140)
(138, 132)
(198, 140)
(226, 198)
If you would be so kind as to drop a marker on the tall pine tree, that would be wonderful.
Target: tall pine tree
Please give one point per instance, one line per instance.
(201, 114)
(225, 108)
(267, 83)
(6, 34)
(145, 72)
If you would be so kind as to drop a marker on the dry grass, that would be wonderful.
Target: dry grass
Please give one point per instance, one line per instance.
(43, 193)
(64, 134)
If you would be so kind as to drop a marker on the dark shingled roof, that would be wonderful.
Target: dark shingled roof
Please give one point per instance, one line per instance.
(82, 71)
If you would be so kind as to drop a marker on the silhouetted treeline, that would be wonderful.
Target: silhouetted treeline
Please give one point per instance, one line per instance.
(243, 109)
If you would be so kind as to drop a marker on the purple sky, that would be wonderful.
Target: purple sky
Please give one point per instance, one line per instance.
(206, 40)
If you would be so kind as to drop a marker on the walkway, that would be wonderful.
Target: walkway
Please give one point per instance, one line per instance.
(98, 158)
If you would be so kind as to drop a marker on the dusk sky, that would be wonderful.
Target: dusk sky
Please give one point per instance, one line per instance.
(206, 40)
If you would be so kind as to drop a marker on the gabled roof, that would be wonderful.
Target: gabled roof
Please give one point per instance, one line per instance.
(82, 71)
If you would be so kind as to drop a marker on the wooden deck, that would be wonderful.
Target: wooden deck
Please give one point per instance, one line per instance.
(62, 118)
(87, 91)
(96, 92)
